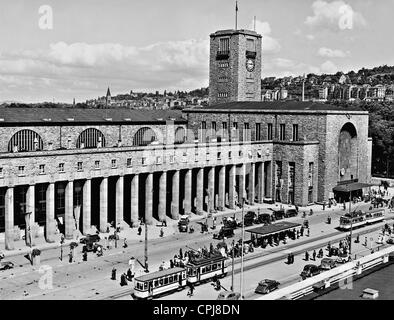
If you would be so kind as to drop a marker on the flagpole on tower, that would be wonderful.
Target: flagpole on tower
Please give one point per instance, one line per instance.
(236, 15)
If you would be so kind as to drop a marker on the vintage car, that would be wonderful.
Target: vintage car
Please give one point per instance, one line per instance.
(249, 217)
(343, 258)
(291, 213)
(278, 214)
(229, 295)
(266, 286)
(224, 233)
(183, 223)
(327, 264)
(310, 270)
(264, 218)
(230, 222)
(5, 265)
(90, 238)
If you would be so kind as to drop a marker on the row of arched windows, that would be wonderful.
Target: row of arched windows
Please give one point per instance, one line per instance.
(28, 140)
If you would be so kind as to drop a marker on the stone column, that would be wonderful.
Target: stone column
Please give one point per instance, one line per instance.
(119, 200)
(241, 189)
(162, 196)
(200, 191)
(31, 207)
(50, 213)
(222, 188)
(187, 202)
(104, 204)
(175, 196)
(86, 206)
(211, 189)
(260, 181)
(9, 218)
(149, 198)
(269, 166)
(69, 221)
(251, 186)
(31, 203)
(134, 200)
(231, 187)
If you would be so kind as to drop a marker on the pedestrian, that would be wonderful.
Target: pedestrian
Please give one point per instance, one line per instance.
(314, 255)
(70, 257)
(306, 256)
(139, 230)
(302, 231)
(365, 241)
(320, 254)
(308, 232)
(191, 290)
(85, 256)
(292, 258)
(298, 234)
(113, 274)
(125, 243)
(161, 233)
(180, 253)
(123, 281)
(289, 258)
(129, 275)
(171, 264)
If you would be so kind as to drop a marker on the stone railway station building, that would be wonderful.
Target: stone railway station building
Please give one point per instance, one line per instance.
(74, 168)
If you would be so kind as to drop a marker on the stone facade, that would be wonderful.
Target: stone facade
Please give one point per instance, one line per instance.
(229, 79)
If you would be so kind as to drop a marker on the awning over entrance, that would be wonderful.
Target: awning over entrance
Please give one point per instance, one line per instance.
(351, 187)
(274, 228)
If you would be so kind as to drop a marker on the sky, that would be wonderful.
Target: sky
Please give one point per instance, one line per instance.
(53, 50)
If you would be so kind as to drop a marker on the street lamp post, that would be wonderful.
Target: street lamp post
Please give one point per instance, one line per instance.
(242, 249)
(232, 265)
(146, 247)
(351, 224)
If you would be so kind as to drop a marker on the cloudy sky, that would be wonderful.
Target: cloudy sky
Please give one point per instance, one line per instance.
(163, 44)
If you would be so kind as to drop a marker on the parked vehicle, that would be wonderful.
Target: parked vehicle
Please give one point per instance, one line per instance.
(5, 265)
(264, 218)
(327, 264)
(310, 270)
(266, 286)
(90, 238)
(291, 213)
(249, 218)
(390, 240)
(229, 222)
(279, 214)
(229, 295)
(343, 258)
(183, 224)
(224, 232)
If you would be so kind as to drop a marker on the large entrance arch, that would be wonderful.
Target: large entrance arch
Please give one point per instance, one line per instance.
(348, 153)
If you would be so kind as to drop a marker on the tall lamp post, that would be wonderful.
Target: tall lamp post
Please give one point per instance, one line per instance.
(242, 249)
(351, 223)
(232, 265)
(146, 247)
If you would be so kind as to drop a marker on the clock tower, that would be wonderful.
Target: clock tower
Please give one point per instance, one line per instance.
(234, 66)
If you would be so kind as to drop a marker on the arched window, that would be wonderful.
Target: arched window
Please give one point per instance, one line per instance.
(91, 138)
(144, 136)
(180, 135)
(25, 140)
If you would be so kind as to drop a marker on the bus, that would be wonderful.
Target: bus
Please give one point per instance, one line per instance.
(204, 268)
(160, 282)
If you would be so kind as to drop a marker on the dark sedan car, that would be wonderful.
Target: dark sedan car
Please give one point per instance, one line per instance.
(266, 286)
(310, 270)
(291, 213)
(4, 265)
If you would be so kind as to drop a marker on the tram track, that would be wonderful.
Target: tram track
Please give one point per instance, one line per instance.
(333, 237)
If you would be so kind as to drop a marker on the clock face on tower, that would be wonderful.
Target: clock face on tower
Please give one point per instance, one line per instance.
(250, 65)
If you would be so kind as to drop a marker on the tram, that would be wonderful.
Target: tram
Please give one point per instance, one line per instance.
(196, 271)
(205, 268)
(374, 216)
(360, 218)
(156, 283)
